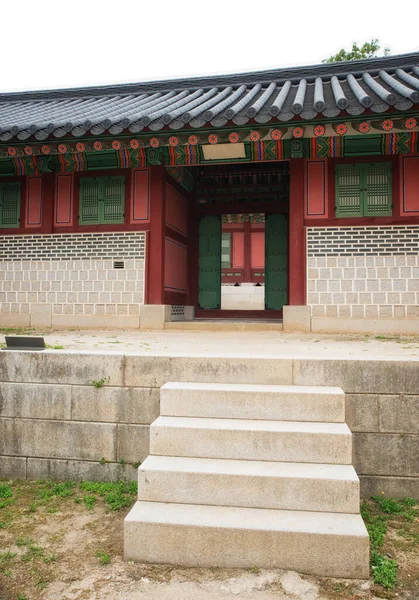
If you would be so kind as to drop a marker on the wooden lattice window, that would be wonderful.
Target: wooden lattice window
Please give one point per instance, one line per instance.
(10, 204)
(102, 200)
(363, 190)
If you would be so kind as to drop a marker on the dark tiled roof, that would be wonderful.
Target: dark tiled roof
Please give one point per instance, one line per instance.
(329, 90)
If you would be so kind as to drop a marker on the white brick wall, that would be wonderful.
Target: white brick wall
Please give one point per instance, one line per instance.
(75, 274)
(363, 272)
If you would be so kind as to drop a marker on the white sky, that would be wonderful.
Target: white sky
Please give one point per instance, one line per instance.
(57, 43)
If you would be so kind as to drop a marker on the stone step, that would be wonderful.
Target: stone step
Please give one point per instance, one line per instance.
(224, 325)
(323, 544)
(248, 483)
(286, 441)
(247, 401)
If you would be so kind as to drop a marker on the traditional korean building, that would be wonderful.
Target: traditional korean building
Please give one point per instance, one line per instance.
(291, 193)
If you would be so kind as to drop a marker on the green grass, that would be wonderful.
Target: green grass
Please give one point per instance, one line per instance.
(116, 495)
(384, 570)
(56, 347)
(104, 558)
(5, 491)
(376, 515)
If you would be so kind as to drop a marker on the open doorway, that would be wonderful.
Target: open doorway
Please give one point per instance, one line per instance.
(243, 261)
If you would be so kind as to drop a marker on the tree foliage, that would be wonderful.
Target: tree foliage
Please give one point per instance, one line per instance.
(367, 50)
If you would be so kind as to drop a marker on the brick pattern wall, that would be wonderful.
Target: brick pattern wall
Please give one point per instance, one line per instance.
(363, 272)
(75, 273)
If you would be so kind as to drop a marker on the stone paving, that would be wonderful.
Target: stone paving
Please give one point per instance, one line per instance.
(270, 344)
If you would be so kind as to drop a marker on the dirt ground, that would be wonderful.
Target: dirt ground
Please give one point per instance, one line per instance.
(64, 541)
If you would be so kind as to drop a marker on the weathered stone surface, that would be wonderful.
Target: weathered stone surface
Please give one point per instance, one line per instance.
(13, 467)
(41, 315)
(362, 412)
(35, 401)
(360, 376)
(249, 483)
(386, 454)
(393, 487)
(288, 441)
(115, 404)
(325, 544)
(155, 371)
(78, 470)
(233, 400)
(297, 318)
(57, 439)
(63, 367)
(399, 414)
(133, 443)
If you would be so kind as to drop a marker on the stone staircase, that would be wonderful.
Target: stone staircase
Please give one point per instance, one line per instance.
(250, 475)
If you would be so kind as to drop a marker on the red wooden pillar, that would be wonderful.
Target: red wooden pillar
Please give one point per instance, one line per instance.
(155, 245)
(297, 262)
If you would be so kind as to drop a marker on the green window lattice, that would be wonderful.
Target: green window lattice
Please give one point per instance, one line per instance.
(10, 204)
(363, 190)
(102, 200)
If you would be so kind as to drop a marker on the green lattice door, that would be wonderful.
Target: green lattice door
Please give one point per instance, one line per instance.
(276, 261)
(209, 276)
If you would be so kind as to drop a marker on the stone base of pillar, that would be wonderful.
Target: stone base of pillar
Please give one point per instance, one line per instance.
(297, 318)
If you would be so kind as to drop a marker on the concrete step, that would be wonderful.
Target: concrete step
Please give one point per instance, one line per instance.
(324, 544)
(246, 401)
(224, 325)
(248, 483)
(286, 441)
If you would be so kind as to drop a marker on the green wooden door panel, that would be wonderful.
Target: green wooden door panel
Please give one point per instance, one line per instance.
(276, 261)
(10, 204)
(209, 266)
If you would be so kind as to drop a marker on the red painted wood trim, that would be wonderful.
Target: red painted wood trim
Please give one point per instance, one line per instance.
(409, 179)
(34, 192)
(174, 235)
(315, 205)
(140, 196)
(64, 194)
(175, 266)
(48, 193)
(296, 260)
(155, 275)
(176, 210)
(176, 298)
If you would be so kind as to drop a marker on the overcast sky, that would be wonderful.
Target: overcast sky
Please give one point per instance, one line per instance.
(52, 43)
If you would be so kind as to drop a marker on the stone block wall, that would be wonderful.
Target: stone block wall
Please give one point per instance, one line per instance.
(54, 424)
(72, 279)
(363, 272)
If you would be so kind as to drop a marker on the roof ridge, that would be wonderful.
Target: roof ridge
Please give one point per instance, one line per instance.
(282, 74)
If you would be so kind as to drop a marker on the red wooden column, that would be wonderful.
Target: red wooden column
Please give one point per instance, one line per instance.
(297, 262)
(155, 241)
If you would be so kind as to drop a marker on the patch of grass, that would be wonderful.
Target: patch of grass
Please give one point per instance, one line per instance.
(104, 558)
(49, 489)
(376, 525)
(22, 597)
(5, 491)
(6, 556)
(98, 383)
(17, 330)
(384, 570)
(89, 502)
(116, 495)
(50, 558)
(56, 347)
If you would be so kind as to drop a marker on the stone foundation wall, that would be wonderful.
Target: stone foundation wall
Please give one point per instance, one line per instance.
(55, 424)
(72, 279)
(363, 272)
